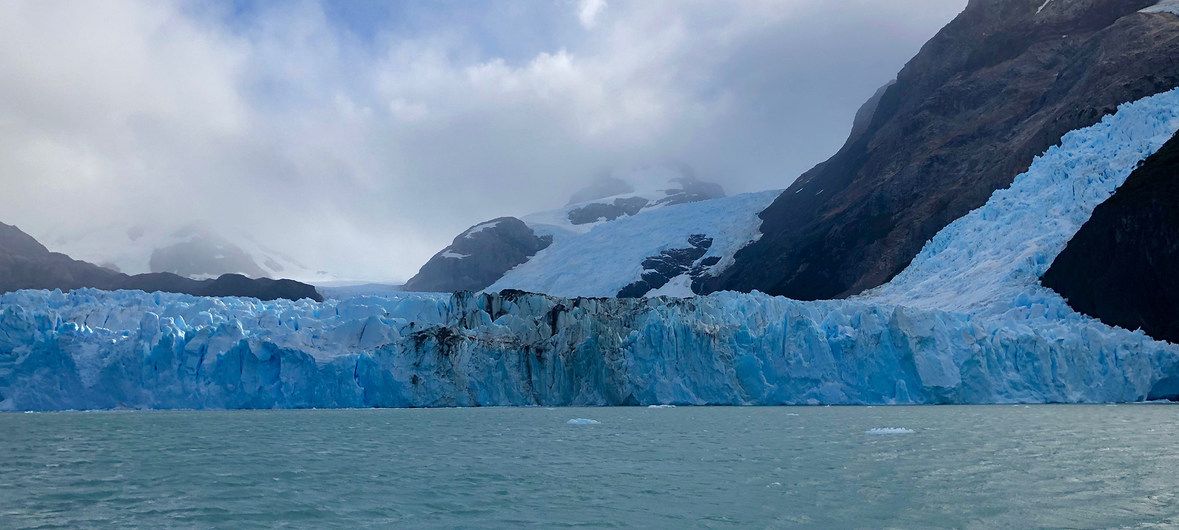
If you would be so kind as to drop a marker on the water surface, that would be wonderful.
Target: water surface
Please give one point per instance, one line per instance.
(963, 466)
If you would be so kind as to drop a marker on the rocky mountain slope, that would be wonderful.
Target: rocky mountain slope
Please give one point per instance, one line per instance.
(479, 256)
(1123, 265)
(26, 264)
(997, 86)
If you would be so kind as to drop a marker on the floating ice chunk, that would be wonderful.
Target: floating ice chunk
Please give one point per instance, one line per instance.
(888, 430)
(582, 421)
(661, 406)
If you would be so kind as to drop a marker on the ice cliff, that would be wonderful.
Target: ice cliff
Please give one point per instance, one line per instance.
(967, 322)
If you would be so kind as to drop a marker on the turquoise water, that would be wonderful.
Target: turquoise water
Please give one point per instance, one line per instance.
(1038, 466)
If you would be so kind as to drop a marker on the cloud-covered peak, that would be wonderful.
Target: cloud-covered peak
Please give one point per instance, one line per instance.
(358, 137)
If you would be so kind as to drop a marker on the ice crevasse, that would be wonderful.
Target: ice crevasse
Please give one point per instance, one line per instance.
(967, 322)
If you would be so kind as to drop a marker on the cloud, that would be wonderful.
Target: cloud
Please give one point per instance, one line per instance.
(364, 150)
(588, 12)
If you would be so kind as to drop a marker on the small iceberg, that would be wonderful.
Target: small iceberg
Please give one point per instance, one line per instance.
(661, 406)
(582, 421)
(888, 430)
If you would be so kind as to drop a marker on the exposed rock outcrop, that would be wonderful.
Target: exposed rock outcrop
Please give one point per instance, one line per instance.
(479, 256)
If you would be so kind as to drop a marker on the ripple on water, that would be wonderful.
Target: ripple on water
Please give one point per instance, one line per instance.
(1091, 466)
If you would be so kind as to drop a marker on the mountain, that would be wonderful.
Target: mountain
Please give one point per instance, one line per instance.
(1123, 265)
(966, 321)
(997, 86)
(27, 264)
(479, 256)
(631, 243)
(193, 251)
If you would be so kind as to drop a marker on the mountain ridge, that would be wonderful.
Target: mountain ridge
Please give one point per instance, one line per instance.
(27, 264)
(993, 89)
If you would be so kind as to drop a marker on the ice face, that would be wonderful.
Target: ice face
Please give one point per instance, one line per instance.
(94, 349)
(966, 323)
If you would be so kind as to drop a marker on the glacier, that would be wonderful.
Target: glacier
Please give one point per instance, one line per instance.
(967, 322)
(599, 259)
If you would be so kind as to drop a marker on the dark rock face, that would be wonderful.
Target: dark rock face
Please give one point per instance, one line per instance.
(1123, 265)
(606, 211)
(204, 254)
(660, 269)
(997, 86)
(26, 264)
(864, 115)
(479, 256)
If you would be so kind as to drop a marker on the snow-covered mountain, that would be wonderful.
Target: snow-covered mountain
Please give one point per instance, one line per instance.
(966, 322)
(660, 250)
(631, 242)
(1000, 84)
(1027, 137)
(192, 251)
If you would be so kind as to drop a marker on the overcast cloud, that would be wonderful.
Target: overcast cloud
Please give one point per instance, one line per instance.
(361, 137)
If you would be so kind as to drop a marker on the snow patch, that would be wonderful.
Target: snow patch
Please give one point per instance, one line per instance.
(479, 228)
(449, 254)
(678, 287)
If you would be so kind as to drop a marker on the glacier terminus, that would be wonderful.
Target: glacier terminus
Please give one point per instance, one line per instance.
(966, 322)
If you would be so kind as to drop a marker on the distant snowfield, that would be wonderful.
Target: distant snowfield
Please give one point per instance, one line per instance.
(602, 258)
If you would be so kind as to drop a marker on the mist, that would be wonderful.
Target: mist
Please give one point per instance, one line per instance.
(359, 138)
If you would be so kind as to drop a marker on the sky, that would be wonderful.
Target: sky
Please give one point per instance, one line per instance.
(360, 137)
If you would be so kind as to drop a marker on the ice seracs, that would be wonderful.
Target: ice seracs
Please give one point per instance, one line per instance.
(992, 259)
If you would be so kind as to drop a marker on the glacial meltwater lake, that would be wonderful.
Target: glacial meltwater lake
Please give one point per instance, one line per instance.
(823, 467)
